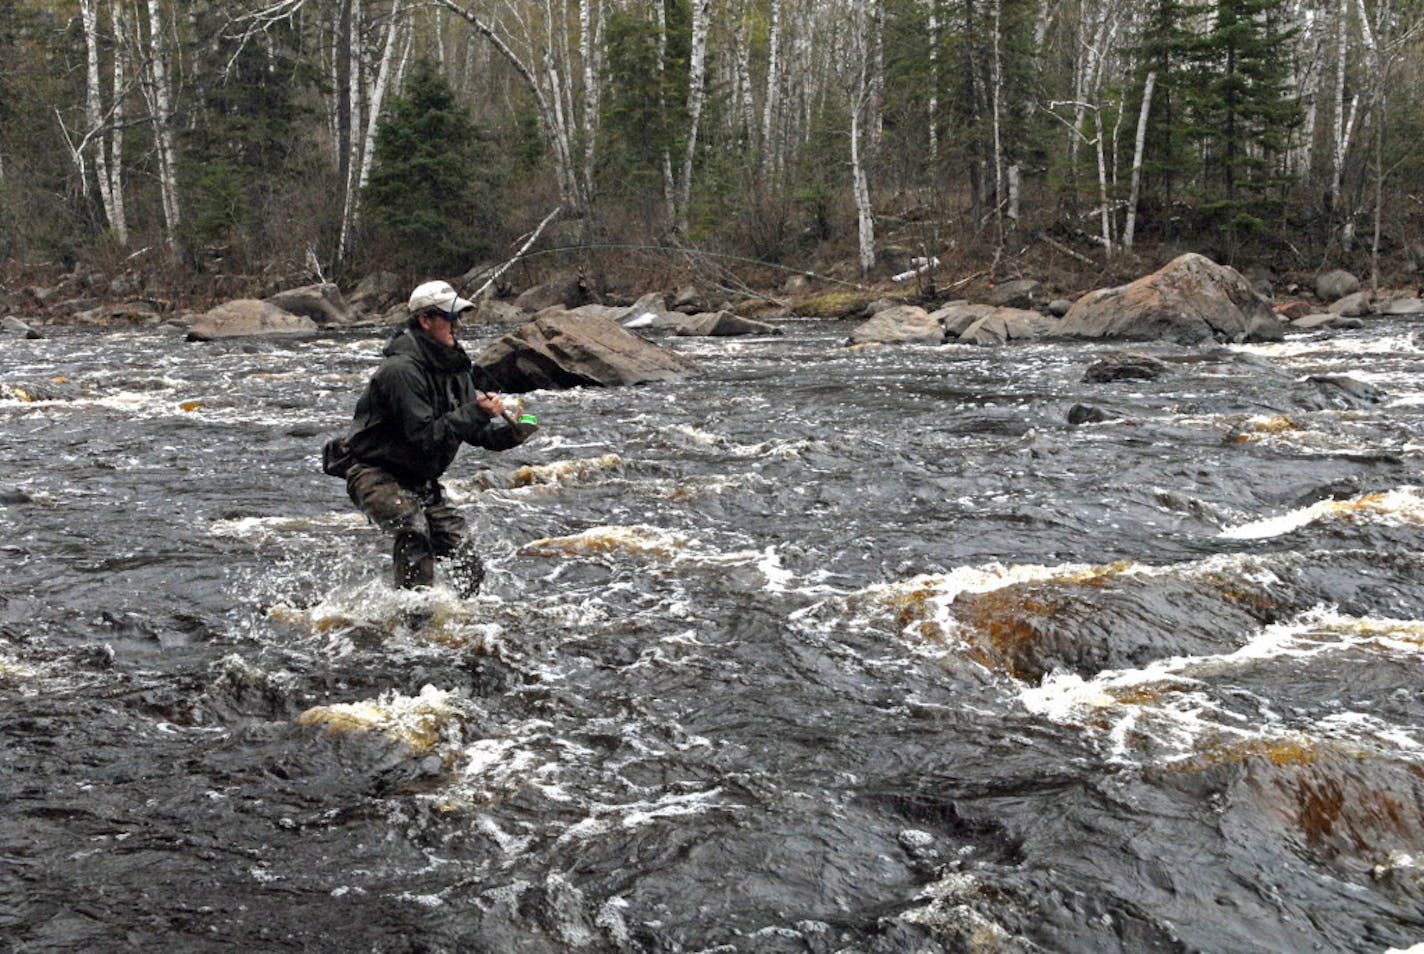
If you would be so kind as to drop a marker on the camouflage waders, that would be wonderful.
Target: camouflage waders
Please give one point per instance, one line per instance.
(424, 525)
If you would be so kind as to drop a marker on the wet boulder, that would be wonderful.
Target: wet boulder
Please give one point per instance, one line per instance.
(133, 313)
(14, 327)
(1336, 284)
(1124, 367)
(650, 311)
(1189, 300)
(1399, 307)
(245, 317)
(1312, 321)
(720, 324)
(1086, 414)
(902, 324)
(1003, 325)
(957, 317)
(1356, 305)
(1338, 392)
(568, 351)
(321, 303)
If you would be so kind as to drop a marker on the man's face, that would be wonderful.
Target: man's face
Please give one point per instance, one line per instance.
(440, 326)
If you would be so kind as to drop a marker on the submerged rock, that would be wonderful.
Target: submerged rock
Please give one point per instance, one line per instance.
(1190, 300)
(1339, 391)
(1121, 367)
(568, 351)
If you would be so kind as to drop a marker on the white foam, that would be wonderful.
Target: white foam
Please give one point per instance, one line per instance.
(1170, 701)
(1392, 508)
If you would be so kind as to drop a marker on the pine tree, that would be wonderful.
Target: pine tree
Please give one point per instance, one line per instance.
(249, 146)
(1166, 47)
(427, 199)
(1243, 114)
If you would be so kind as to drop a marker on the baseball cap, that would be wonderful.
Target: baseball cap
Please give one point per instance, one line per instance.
(438, 295)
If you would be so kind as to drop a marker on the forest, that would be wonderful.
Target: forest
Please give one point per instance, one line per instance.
(202, 148)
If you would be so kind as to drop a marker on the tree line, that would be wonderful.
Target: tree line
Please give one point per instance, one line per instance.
(280, 137)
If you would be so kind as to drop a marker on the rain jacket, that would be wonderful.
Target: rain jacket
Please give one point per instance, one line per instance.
(420, 407)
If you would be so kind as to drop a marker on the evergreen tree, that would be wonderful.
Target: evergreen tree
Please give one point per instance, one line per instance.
(1166, 47)
(249, 147)
(1243, 113)
(428, 200)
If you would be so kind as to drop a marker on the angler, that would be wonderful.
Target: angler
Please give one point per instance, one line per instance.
(423, 402)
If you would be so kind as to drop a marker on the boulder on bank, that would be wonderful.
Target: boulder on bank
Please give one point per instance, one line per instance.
(321, 303)
(1019, 293)
(376, 293)
(248, 316)
(957, 317)
(1336, 284)
(563, 291)
(569, 351)
(902, 324)
(13, 326)
(1189, 300)
(1400, 307)
(1355, 305)
(1002, 325)
(131, 313)
(721, 324)
(650, 311)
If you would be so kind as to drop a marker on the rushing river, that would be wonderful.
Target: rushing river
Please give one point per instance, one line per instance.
(820, 650)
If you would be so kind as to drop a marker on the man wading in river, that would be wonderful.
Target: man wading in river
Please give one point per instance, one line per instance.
(424, 401)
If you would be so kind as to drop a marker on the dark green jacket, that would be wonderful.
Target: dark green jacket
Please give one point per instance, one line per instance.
(420, 407)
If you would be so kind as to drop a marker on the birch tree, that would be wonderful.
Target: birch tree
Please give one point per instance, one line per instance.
(862, 94)
(771, 102)
(159, 93)
(366, 151)
(696, 97)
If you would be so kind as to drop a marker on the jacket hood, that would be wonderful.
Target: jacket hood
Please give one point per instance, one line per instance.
(428, 351)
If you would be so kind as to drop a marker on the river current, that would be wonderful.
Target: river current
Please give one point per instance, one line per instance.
(819, 650)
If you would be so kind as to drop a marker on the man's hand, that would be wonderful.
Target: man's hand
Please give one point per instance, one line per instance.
(491, 403)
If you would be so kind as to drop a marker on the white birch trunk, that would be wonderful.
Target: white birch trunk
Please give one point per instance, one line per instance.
(119, 222)
(1015, 184)
(771, 108)
(1103, 185)
(861, 94)
(997, 79)
(696, 96)
(589, 29)
(161, 106)
(1130, 228)
(547, 106)
(933, 104)
(1341, 134)
(746, 108)
(93, 107)
(367, 150)
(669, 181)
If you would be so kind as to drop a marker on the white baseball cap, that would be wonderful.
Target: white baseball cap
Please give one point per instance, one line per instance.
(438, 295)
